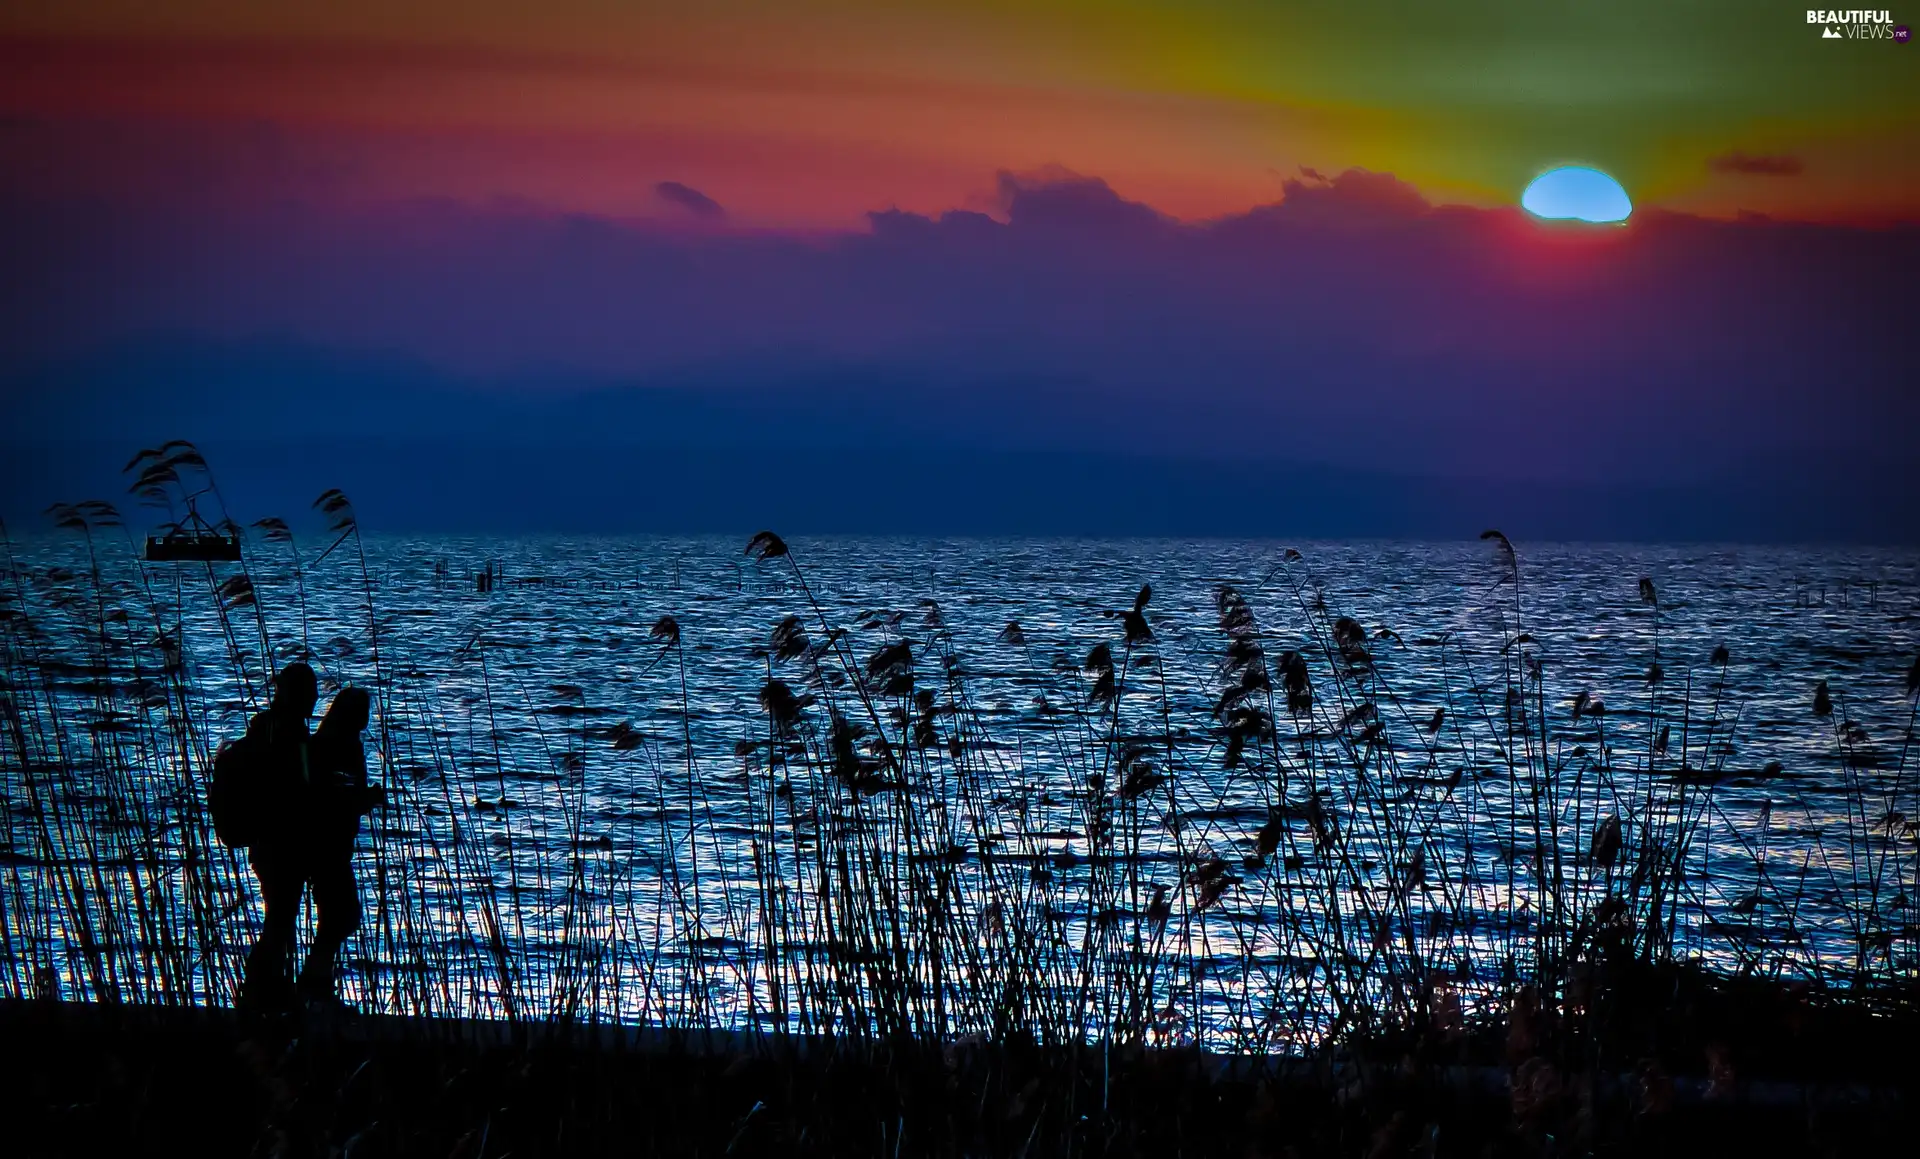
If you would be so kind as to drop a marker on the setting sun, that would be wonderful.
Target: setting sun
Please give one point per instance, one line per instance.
(1576, 193)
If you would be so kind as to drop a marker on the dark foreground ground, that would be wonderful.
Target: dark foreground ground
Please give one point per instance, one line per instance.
(99, 1080)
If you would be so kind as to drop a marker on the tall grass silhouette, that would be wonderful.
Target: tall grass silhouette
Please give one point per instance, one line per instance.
(1302, 856)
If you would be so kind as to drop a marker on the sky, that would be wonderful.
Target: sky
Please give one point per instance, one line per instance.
(1165, 235)
(811, 113)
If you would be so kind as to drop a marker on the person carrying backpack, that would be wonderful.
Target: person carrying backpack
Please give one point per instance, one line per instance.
(277, 799)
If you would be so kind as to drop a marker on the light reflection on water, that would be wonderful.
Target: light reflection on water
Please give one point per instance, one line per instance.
(501, 704)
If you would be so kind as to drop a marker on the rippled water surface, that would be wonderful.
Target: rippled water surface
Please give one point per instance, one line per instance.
(597, 770)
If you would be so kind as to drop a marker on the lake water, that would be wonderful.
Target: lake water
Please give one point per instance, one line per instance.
(550, 752)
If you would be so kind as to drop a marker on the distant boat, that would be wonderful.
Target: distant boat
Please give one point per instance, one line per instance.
(193, 547)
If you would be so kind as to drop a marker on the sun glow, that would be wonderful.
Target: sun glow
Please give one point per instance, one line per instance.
(1576, 193)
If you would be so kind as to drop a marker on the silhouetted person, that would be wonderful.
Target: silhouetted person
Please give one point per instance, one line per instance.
(277, 851)
(338, 798)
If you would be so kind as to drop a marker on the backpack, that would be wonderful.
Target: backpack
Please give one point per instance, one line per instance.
(237, 793)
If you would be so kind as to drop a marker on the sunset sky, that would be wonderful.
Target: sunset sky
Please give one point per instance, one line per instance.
(1210, 231)
(814, 112)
